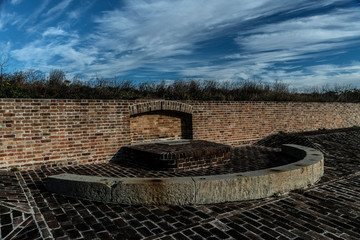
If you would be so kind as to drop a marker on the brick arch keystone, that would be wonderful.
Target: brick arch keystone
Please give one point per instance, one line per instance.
(160, 105)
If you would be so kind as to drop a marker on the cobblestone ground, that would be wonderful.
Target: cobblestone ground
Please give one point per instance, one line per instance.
(327, 210)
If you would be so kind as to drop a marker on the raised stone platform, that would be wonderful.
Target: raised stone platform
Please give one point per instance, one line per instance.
(175, 156)
(197, 189)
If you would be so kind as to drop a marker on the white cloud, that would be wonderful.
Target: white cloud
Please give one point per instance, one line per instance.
(292, 41)
(4, 53)
(53, 32)
(30, 21)
(304, 77)
(63, 54)
(150, 32)
(7, 19)
(15, 2)
(59, 8)
(77, 12)
(43, 16)
(5, 46)
(307, 32)
(164, 28)
(329, 74)
(164, 35)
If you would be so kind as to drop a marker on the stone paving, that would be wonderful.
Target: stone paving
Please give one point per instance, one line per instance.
(327, 210)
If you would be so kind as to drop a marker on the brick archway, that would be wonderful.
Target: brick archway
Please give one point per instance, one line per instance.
(160, 105)
(160, 120)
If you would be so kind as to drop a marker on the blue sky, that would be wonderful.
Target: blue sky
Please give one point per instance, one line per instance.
(303, 43)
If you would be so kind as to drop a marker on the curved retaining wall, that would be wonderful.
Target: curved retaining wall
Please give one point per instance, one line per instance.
(197, 190)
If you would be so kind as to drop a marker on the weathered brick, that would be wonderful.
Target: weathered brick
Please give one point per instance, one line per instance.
(101, 127)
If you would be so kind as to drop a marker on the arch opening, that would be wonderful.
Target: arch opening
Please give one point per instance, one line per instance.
(160, 120)
(160, 125)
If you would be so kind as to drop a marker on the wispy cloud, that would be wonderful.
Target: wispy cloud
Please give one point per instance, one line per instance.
(58, 47)
(292, 41)
(43, 16)
(301, 78)
(31, 20)
(143, 31)
(5, 47)
(304, 35)
(171, 36)
(53, 32)
(15, 2)
(58, 9)
(79, 11)
(8, 19)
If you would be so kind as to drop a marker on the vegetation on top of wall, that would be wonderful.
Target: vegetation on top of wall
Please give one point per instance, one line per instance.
(35, 84)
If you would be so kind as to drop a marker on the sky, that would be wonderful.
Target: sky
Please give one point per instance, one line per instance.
(302, 43)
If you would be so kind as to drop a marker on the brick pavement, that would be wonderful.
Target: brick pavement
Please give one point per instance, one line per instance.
(247, 158)
(328, 210)
(15, 213)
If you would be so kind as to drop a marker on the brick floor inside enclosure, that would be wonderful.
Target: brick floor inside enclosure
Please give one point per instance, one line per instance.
(328, 210)
(248, 158)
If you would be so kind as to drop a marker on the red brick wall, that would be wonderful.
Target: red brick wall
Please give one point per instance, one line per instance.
(237, 123)
(60, 132)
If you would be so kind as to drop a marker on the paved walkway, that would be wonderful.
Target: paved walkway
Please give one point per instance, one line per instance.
(328, 210)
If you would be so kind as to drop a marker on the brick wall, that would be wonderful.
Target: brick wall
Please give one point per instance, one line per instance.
(61, 132)
(64, 132)
(237, 123)
(160, 125)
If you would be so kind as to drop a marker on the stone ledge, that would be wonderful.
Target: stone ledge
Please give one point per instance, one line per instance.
(197, 190)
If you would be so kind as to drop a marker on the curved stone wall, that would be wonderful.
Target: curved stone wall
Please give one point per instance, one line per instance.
(197, 190)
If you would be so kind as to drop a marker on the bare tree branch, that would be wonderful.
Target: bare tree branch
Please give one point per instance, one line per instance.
(3, 65)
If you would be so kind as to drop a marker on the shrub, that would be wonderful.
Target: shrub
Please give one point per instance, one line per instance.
(36, 84)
